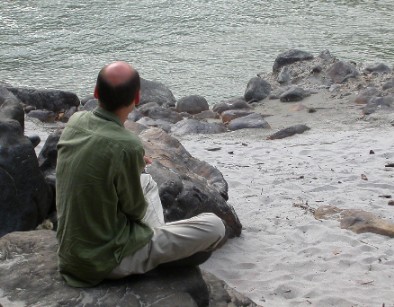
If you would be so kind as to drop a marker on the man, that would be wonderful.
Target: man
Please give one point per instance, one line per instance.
(110, 220)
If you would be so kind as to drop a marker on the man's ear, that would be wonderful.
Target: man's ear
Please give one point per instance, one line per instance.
(96, 93)
(137, 98)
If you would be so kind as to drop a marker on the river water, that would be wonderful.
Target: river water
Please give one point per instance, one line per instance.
(206, 47)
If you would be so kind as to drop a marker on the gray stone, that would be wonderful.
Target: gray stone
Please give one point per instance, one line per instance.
(284, 75)
(257, 89)
(152, 91)
(389, 84)
(192, 104)
(43, 115)
(253, 120)
(289, 131)
(194, 126)
(340, 72)
(135, 115)
(232, 104)
(154, 111)
(378, 68)
(90, 105)
(34, 139)
(378, 103)
(51, 100)
(12, 109)
(290, 57)
(159, 123)
(206, 114)
(366, 94)
(294, 94)
(229, 115)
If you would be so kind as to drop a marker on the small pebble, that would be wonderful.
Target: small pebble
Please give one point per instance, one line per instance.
(371, 152)
(311, 110)
(391, 203)
(363, 177)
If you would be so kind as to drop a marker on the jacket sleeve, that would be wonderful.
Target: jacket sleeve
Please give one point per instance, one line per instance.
(128, 185)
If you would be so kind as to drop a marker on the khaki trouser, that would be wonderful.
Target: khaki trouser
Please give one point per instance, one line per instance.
(171, 241)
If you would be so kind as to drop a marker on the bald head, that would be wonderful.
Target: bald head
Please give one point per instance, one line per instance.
(117, 86)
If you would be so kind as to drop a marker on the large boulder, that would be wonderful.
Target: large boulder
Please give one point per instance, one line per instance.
(194, 126)
(25, 198)
(340, 72)
(155, 111)
(28, 264)
(257, 89)
(232, 104)
(187, 185)
(152, 91)
(289, 57)
(192, 104)
(51, 100)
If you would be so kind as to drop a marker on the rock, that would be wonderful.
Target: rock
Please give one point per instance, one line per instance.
(378, 103)
(232, 104)
(317, 69)
(257, 89)
(294, 94)
(366, 94)
(48, 154)
(326, 55)
(90, 105)
(152, 91)
(391, 203)
(206, 114)
(25, 198)
(51, 100)
(135, 115)
(378, 68)
(192, 104)
(340, 72)
(187, 186)
(290, 57)
(29, 261)
(34, 139)
(155, 111)
(284, 76)
(85, 99)
(194, 126)
(275, 94)
(229, 115)
(12, 109)
(159, 123)
(358, 221)
(43, 115)
(389, 84)
(253, 120)
(289, 131)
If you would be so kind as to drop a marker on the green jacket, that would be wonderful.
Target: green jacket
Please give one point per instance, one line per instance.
(99, 198)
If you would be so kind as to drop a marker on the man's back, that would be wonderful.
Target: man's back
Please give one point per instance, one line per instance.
(99, 197)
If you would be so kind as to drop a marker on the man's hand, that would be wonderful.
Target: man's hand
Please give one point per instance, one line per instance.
(147, 160)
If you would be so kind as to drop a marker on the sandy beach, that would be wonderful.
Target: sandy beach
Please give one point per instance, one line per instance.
(285, 257)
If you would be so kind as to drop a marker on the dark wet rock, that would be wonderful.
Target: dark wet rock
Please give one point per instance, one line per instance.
(25, 198)
(48, 154)
(34, 139)
(232, 104)
(289, 131)
(229, 115)
(207, 114)
(43, 115)
(253, 120)
(284, 76)
(388, 85)
(159, 123)
(340, 72)
(27, 254)
(379, 103)
(257, 89)
(317, 69)
(378, 68)
(294, 94)
(51, 100)
(7, 96)
(152, 91)
(85, 99)
(187, 185)
(194, 126)
(155, 111)
(192, 104)
(358, 221)
(64, 117)
(366, 94)
(90, 105)
(12, 109)
(290, 57)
